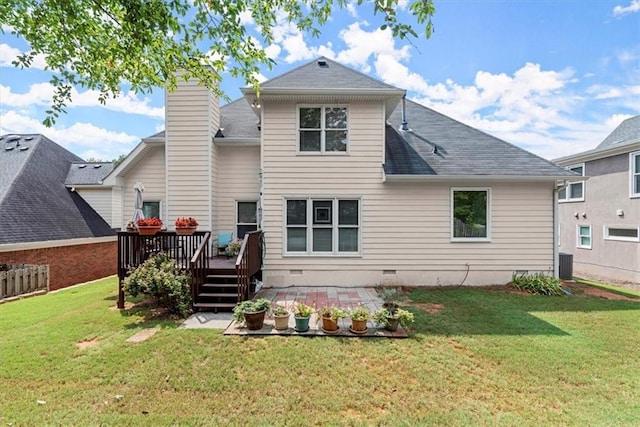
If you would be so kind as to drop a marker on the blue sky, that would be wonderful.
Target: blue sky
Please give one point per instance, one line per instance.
(553, 77)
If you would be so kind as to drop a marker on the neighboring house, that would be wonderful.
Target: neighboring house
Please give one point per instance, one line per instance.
(600, 217)
(350, 183)
(42, 221)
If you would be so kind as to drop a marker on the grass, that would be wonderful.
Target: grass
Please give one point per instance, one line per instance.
(487, 357)
(611, 288)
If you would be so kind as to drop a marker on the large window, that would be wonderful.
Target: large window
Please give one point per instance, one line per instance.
(584, 236)
(627, 234)
(151, 209)
(574, 191)
(470, 216)
(322, 226)
(246, 218)
(634, 172)
(322, 129)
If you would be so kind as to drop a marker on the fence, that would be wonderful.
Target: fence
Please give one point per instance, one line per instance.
(20, 279)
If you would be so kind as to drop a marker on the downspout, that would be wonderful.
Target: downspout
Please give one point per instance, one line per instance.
(556, 243)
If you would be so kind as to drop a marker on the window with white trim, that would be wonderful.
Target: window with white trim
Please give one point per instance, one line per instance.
(470, 214)
(574, 191)
(322, 226)
(322, 129)
(634, 174)
(151, 209)
(625, 234)
(246, 218)
(584, 236)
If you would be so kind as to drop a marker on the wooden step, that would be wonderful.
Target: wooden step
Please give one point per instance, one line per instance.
(222, 276)
(219, 286)
(218, 295)
(214, 305)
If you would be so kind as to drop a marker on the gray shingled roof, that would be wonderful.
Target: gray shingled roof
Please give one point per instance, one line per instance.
(627, 132)
(82, 173)
(238, 120)
(35, 205)
(332, 76)
(460, 149)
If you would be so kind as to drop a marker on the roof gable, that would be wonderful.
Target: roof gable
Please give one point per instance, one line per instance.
(323, 73)
(627, 132)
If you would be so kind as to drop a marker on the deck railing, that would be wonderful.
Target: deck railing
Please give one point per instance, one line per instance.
(199, 266)
(134, 249)
(249, 262)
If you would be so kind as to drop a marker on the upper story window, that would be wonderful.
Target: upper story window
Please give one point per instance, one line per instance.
(634, 174)
(470, 214)
(323, 129)
(627, 234)
(574, 191)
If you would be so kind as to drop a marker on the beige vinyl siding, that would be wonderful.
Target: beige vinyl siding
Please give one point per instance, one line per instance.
(117, 207)
(189, 152)
(405, 226)
(100, 201)
(238, 171)
(149, 170)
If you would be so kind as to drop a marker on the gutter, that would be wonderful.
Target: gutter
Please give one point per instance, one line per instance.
(449, 178)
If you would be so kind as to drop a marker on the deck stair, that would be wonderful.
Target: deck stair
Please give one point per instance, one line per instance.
(219, 292)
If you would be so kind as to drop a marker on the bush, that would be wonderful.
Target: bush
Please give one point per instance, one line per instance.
(537, 283)
(159, 278)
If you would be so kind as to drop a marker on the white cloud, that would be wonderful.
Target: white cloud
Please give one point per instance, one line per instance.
(246, 18)
(362, 44)
(352, 9)
(633, 7)
(8, 54)
(39, 94)
(273, 51)
(292, 40)
(80, 138)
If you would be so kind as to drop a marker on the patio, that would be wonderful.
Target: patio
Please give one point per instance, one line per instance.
(318, 297)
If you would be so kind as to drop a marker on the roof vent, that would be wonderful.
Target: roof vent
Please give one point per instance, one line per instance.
(82, 166)
(322, 63)
(12, 138)
(435, 149)
(28, 138)
(8, 147)
(97, 166)
(24, 148)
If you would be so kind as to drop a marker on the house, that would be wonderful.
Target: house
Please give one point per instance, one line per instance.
(350, 183)
(45, 221)
(599, 218)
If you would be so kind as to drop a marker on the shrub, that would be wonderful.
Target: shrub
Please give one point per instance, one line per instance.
(159, 278)
(537, 283)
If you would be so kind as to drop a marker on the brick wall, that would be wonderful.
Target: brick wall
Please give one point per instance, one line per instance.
(69, 265)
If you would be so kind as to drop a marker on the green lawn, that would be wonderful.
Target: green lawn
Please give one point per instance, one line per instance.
(486, 358)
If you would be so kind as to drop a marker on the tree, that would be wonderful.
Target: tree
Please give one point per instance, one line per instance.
(99, 44)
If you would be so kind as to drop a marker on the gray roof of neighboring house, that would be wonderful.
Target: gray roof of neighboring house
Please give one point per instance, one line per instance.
(627, 132)
(459, 149)
(83, 173)
(35, 205)
(332, 75)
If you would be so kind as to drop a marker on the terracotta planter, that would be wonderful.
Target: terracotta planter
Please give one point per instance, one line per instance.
(302, 324)
(329, 325)
(186, 231)
(254, 321)
(358, 326)
(281, 322)
(148, 230)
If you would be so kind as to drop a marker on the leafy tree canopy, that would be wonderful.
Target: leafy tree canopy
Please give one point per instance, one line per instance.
(99, 44)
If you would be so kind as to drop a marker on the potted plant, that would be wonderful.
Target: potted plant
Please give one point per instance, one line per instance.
(391, 298)
(234, 247)
(148, 226)
(391, 319)
(359, 318)
(251, 312)
(186, 225)
(301, 314)
(281, 317)
(329, 316)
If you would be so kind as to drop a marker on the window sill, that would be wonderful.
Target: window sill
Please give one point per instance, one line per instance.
(570, 200)
(306, 255)
(583, 247)
(322, 153)
(469, 240)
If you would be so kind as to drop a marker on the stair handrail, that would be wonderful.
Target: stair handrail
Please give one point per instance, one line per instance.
(199, 266)
(248, 262)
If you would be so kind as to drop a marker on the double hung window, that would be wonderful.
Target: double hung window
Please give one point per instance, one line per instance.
(323, 129)
(574, 191)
